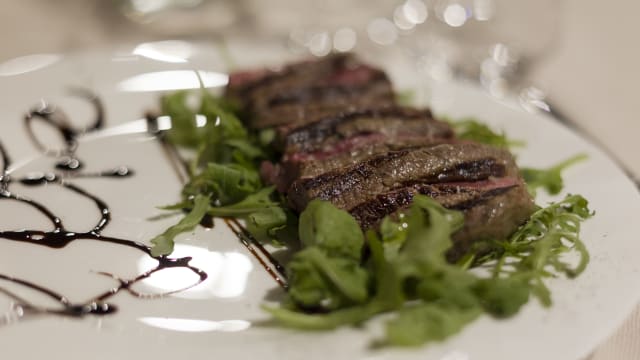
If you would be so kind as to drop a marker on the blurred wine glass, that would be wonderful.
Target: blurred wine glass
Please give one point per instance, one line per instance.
(496, 42)
(182, 18)
(319, 27)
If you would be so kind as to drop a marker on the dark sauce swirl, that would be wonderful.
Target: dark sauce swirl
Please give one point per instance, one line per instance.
(70, 167)
(60, 236)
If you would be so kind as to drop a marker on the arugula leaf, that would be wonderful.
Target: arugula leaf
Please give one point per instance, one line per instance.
(333, 230)
(226, 183)
(406, 97)
(274, 224)
(549, 179)
(163, 243)
(429, 231)
(255, 202)
(537, 250)
(184, 131)
(389, 289)
(252, 203)
(503, 297)
(266, 136)
(327, 274)
(305, 321)
(472, 129)
(221, 138)
(426, 322)
(393, 235)
(552, 231)
(319, 281)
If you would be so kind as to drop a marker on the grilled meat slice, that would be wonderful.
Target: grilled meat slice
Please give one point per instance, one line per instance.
(321, 101)
(494, 218)
(493, 209)
(456, 195)
(355, 184)
(350, 137)
(351, 152)
(390, 123)
(242, 83)
(307, 91)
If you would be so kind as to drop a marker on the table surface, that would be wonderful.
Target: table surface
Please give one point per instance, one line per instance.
(591, 75)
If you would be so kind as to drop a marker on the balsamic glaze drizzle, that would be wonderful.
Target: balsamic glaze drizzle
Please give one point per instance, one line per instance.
(60, 236)
(270, 264)
(4, 174)
(276, 270)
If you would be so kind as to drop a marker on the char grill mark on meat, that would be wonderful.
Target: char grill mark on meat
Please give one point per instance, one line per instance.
(350, 186)
(304, 92)
(492, 208)
(367, 142)
(329, 89)
(458, 196)
(304, 165)
(493, 219)
(241, 84)
(391, 123)
(330, 103)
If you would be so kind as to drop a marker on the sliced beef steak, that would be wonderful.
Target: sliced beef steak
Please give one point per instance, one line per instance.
(328, 102)
(243, 83)
(309, 165)
(304, 92)
(493, 209)
(350, 137)
(350, 186)
(494, 218)
(457, 195)
(389, 123)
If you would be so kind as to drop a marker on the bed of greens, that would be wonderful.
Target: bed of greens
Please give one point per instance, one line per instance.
(341, 276)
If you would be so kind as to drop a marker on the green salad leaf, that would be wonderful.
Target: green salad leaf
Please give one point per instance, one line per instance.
(425, 322)
(326, 274)
(226, 183)
(221, 122)
(163, 243)
(318, 281)
(471, 129)
(332, 230)
(538, 249)
(406, 97)
(549, 179)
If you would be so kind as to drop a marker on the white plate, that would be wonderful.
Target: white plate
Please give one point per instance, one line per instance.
(222, 318)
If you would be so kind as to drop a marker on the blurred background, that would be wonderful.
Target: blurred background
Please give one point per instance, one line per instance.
(580, 56)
